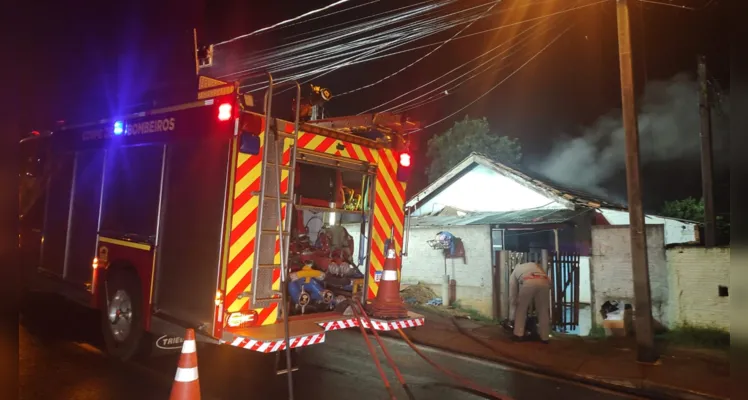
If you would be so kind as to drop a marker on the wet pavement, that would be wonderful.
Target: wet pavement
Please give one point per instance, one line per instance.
(60, 358)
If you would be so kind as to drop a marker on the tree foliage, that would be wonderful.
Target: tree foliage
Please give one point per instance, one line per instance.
(688, 209)
(469, 135)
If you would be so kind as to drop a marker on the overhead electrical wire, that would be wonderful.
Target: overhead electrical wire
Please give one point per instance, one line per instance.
(425, 55)
(487, 30)
(401, 37)
(493, 29)
(331, 14)
(337, 3)
(355, 20)
(662, 3)
(492, 88)
(441, 96)
(499, 46)
(285, 54)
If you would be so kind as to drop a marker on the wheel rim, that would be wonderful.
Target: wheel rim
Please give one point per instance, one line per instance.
(120, 315)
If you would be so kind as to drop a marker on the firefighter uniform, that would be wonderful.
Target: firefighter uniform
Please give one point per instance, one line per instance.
(529, 283)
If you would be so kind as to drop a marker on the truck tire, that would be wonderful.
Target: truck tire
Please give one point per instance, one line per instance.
(122, 315)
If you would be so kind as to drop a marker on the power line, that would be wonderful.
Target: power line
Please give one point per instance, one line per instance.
(331, 14)
(305, 47)
(337, 3)
(403, 39)
(662, 3)
(484, 94)
(433, 90)
(426, 55)
(449, 72)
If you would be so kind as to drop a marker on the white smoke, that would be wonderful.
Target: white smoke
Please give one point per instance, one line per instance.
(668, 131)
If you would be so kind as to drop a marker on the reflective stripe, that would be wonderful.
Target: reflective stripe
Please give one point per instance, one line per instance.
(186, 374)
(389, 275)
(188, 346)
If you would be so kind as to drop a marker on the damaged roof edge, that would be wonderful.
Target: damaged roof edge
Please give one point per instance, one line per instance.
(568, 197)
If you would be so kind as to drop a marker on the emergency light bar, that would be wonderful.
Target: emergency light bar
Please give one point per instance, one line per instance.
(224, 112)
(403, 168)
(119, 127)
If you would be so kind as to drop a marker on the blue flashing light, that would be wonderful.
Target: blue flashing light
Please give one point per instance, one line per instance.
(119, 127)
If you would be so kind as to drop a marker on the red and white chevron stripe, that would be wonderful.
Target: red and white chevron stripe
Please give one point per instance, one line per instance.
(380, 325)
(277, 345)
(335, 325)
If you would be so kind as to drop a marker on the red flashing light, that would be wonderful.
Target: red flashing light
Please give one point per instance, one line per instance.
(35, 133)
(404, 159)
(224, 112)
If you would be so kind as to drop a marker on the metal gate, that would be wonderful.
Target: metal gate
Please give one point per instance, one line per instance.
(564, 273)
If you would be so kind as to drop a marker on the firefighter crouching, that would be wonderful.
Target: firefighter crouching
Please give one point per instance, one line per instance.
(527, 284)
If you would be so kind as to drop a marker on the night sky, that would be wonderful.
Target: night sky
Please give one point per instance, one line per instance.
(87, 58)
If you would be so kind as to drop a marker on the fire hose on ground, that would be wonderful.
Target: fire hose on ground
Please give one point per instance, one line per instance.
(459, 378)
(363, 318)
(360, 313)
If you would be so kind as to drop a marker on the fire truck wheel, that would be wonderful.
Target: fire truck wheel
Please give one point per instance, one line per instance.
(122, 315)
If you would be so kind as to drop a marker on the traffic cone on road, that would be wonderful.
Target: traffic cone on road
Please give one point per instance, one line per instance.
(186, 384)
(388, 304)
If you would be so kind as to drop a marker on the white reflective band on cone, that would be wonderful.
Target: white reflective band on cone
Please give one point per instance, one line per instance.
(188, 347)
(186, 374)
(389, 275)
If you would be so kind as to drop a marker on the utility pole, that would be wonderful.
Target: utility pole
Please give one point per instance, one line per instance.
(646, 352)
(707, 174)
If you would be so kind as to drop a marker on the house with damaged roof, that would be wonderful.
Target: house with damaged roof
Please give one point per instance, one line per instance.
(488, 207)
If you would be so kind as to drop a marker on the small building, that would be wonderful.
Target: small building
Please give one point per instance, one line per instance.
(492, 207)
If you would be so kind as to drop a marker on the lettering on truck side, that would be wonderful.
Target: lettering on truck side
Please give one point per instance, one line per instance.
(138, 128)
(159, 125)
(167, 342)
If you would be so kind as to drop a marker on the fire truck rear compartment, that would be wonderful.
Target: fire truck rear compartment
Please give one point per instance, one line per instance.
(327, 198)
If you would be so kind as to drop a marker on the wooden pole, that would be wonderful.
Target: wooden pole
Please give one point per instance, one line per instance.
(646, 351)
(707, 174)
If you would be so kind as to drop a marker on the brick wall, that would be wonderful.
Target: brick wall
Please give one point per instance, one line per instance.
(610, 269)
(695, 276)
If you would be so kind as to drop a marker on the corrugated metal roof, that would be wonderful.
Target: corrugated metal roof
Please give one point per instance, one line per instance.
(522, 217)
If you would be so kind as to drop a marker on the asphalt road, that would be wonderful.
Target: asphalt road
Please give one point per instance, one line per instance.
(59, 358)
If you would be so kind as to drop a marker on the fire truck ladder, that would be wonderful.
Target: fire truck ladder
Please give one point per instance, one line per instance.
(270, 224)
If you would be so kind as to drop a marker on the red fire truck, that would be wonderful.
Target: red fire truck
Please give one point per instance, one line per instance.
(169, 219)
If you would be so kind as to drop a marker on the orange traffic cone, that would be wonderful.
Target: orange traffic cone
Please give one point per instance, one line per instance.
(388, 303)
(186, 384)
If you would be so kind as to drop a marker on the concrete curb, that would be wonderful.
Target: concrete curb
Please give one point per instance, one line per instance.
(644, 389)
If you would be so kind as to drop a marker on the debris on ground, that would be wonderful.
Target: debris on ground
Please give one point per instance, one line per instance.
(418, 294)
(435, 302)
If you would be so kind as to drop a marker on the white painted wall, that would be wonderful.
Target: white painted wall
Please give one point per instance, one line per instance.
(483, 189)
(695, 274)
(474, 278)
(610, 269)
(584, 280)
(676, 232)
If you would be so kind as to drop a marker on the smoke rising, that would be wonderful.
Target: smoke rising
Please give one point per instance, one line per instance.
(668, 131)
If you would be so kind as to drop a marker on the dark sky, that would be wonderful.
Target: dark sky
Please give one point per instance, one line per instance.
(87, 58)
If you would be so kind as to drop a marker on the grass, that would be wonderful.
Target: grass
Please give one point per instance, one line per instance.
(455, 310)
(697, 336)
(474, 314)
(597, 332)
